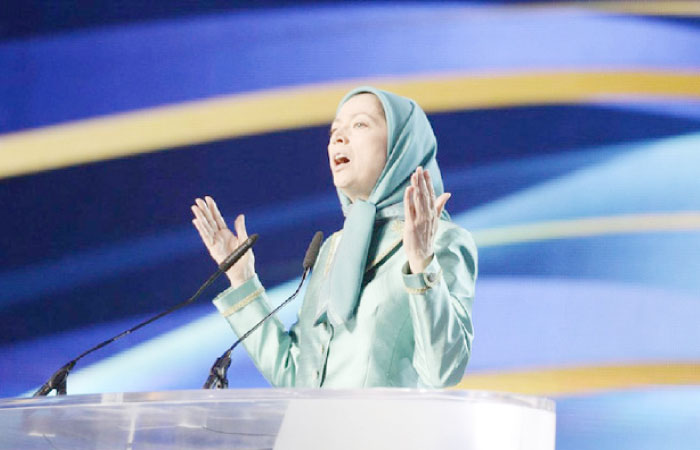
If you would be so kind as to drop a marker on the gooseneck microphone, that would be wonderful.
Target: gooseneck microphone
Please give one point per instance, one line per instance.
(58, 379)
(218, 373)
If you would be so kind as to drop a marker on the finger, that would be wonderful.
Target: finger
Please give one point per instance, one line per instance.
(206, 238)
(428, 202)
(409, 209)
(240, 227)
(431, 191)
(200, 206)
(207, 214)
(216, 213)
(203, 222)
(418, 204)
(414, 192)
(422, 201)
(441, 202)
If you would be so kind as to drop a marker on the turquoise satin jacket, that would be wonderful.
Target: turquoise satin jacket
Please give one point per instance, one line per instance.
(409, 330)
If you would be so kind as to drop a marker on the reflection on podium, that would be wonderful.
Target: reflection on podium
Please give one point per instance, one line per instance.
(282, 419)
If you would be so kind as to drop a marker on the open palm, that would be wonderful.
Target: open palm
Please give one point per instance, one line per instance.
(221, 241)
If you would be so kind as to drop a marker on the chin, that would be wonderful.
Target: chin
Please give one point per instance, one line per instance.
(340, 183)
(346, 193)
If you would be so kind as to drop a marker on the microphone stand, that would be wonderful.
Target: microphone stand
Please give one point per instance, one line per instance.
(218, 373)
(57, 381)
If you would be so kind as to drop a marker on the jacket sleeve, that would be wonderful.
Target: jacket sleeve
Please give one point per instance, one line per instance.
(273, 349)
(440, 302)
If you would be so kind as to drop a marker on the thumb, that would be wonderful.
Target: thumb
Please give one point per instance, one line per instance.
(239, 225)
(440, 202)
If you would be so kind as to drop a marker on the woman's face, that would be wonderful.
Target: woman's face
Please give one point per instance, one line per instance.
(357, 147)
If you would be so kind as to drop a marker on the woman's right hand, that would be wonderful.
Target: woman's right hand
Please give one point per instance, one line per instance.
(220, 240)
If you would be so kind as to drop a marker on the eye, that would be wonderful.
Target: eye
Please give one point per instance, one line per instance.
(331, 131)
(359, 125)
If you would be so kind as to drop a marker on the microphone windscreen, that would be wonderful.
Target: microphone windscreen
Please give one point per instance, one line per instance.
(238, 253)
(312, 251)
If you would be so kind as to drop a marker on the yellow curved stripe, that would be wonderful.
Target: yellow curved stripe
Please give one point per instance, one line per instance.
(657, 8)
(591, 226)
(238, 115)
(579, 380)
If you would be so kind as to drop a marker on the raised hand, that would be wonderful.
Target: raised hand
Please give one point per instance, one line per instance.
(220, 240)
(422, 211)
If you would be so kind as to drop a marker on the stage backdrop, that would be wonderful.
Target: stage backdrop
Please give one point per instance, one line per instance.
(568, 134)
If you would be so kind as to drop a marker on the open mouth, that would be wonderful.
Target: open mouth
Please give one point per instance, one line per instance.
(340, 160)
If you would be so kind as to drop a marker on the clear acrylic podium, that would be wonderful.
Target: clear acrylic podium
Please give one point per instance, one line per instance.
(281, 419)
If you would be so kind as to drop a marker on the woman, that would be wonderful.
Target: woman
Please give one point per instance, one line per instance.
(390, 296)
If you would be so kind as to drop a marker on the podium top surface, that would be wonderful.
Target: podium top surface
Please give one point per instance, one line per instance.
(272, 395)
(281, 419)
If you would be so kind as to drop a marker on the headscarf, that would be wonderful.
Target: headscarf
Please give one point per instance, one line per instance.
(410, 143)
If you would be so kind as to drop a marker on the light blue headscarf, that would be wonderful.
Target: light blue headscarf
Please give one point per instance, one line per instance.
(410, 143)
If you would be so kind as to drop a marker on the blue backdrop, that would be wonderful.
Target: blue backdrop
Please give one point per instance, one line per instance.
(585, 207)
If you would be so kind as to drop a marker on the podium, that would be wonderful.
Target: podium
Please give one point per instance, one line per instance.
(281, 419)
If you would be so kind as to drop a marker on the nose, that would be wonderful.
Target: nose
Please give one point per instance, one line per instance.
(340, 136)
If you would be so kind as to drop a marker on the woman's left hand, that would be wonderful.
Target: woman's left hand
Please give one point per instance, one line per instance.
(422, 211)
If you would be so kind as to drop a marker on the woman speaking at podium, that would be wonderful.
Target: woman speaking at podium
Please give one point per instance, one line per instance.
(390, 297)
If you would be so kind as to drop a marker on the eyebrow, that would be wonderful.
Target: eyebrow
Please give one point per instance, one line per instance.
(355, 115)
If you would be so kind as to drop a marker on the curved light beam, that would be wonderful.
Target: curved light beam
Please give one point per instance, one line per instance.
(577, 380)
(237, 115)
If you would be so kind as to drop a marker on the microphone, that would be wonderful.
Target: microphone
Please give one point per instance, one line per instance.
(312, 252)
(236, 255)
(218, 373)
(58, 379)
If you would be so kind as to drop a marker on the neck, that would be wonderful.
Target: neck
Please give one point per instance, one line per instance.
(353, 198)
